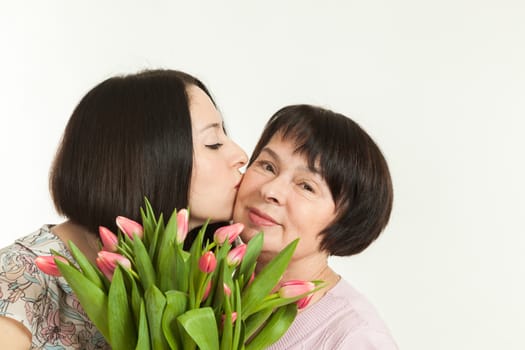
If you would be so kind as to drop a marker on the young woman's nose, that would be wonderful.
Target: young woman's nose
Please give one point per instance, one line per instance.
(239, 156)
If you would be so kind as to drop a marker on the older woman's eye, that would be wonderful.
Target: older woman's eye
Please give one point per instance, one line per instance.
(307, 187)
(266, 166)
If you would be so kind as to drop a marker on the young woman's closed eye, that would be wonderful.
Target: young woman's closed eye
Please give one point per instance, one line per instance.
(214, 146)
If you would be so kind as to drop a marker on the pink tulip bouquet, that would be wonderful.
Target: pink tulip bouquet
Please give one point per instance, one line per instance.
(147, 292)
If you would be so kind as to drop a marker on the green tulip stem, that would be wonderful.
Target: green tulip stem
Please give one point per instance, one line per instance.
(210, 246)
(271, 297)
(204, 279)
(134, 274)
(127, 254)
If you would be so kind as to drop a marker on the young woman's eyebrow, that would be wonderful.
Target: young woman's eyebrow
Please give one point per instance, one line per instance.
(211, 126)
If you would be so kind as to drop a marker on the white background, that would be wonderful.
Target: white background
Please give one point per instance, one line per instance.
(440, 85)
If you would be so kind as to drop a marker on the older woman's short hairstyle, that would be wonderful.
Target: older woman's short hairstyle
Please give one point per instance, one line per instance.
(352, 165)
(129, 137)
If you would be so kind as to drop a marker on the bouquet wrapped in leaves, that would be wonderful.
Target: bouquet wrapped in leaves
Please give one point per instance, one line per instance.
(147, 292)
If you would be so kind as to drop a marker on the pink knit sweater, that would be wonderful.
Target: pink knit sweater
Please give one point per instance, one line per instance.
(342, 319)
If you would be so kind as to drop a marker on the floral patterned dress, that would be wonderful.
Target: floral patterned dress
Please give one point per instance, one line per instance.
(44, 304)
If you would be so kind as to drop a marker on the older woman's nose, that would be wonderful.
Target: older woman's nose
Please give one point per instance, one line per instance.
(275, 191)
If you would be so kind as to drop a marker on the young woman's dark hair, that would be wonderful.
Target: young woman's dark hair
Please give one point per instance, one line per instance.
(129, 137)
(352, 165)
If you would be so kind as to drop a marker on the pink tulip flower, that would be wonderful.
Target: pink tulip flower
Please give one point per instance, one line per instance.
(207, 262)
(129, 227)
(108, 238)
(236, 255)
(227, 290)
(302, 303)
(48, 265)
(107, 263)
(182, 225)
(252, 277)
(230, 232)
(207, 291)
(234, 317)
(293, 288)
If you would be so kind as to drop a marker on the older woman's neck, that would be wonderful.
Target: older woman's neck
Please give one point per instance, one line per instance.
(308, 268)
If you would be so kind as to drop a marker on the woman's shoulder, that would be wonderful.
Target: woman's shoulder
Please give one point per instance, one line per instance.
(342, 319)
(22, 284)
(17, 261)
(40, 242)
(357, 323)
(44, 304)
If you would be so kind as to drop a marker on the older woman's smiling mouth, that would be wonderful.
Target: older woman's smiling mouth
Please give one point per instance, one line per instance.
(260, 219)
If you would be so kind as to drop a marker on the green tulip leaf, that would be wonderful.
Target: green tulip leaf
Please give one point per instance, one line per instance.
(167, 264)
(136, 299)
(150, 214)
(134, 292)
(238, 330)
(87, 268)
(148, 226)
(277, 325)
(194, 273)
(170, 232)
(255, 321)
(176, 304)
(120, 320)
(227, 326)
(166, 242)
(181, 269)
(217, 290)
(155, 304)
(143, 339)
(253, 249)
(265, 281)
(201, 326)
(143, 264)
(223, 250)
(87, 294)
(154, 246)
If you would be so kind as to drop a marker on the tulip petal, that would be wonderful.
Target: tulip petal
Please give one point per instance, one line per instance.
(48, 265)
(293, 288)
(108, 238)
(207, 262)
(236, 255)
(182, 225)
(230, 232)
(107, 263)
(129, 227)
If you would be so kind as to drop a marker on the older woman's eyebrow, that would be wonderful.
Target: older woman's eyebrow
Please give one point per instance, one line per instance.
(275, 156)
(271, 153)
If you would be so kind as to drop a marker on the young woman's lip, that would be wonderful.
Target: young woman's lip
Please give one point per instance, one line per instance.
(261, 219)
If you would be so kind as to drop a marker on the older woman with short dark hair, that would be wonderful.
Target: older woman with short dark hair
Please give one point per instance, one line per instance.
(318, 176)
